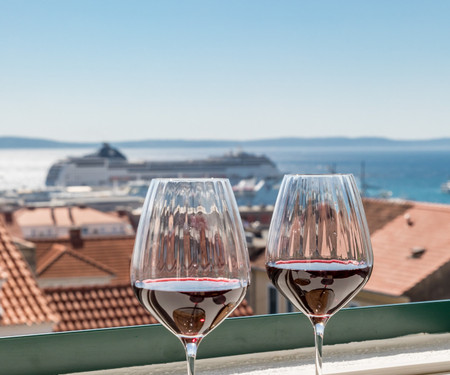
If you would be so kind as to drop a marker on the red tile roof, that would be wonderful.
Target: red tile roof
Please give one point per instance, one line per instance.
(22, 301)
(59, 262)
(64, 216)
(379, 212)
(395, 270)
(114, 253)
(105, 306)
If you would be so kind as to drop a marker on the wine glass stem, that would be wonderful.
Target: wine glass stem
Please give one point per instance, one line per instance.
(191, 354)
(319, 329)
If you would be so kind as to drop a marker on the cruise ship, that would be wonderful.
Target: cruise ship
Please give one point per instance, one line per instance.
(108, 167)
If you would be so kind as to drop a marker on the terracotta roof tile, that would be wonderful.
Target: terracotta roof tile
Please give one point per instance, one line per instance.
(89, 307)
(395, 270)
(380, 212)
(61, 262)
(23, 302)
(64, 216)
(114, 253)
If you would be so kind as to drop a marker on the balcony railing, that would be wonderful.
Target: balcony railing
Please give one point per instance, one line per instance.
(67, 352)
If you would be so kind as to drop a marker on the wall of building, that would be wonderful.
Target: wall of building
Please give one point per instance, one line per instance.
(435, 286)
(258, 295)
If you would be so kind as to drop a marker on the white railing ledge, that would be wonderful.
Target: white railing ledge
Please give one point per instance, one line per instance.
(419, 354)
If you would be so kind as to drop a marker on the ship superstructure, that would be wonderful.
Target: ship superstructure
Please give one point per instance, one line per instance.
(108, 166)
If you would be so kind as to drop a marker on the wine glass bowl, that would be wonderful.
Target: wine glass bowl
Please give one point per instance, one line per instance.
(190, 266)
(319, 253)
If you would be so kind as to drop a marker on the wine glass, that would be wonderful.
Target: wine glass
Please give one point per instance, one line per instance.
(319, 253)
(190, 266)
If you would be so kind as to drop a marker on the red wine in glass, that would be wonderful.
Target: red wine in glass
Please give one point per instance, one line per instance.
(190, 266)
(318, 252)
(190, 307)
(318, 288)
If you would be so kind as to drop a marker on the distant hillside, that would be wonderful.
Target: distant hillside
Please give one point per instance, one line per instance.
(351, 142)
(20, 142)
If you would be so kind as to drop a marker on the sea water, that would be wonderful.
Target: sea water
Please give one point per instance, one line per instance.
(411, 174)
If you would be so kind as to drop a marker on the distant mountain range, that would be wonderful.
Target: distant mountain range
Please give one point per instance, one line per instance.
(22, 142)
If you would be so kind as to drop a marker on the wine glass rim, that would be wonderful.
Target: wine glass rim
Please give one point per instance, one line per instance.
(189, 179)
(319, 175)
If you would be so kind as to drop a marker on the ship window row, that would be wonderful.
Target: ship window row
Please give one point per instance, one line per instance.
(90, 165)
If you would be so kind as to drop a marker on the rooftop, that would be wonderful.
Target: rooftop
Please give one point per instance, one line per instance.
(112, 252)
(410, 247)
(66, 308)
(89, 307)
(105, 306)
(411, 243)
(62, 262)
(64, 216)
(22, 301)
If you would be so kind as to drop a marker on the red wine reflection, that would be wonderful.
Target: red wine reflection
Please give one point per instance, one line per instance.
(190, 307)
(318, 288)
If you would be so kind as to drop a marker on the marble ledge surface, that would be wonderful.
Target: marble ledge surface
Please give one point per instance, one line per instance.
(421, 354)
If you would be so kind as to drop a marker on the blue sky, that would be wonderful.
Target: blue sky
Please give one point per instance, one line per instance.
(123, 70)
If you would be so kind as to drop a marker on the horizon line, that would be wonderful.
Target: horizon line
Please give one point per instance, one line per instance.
(334, 137)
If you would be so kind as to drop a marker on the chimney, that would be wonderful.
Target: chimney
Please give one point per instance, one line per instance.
(417, 252)
(409, 220)
(75, 237)
(8, 217)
